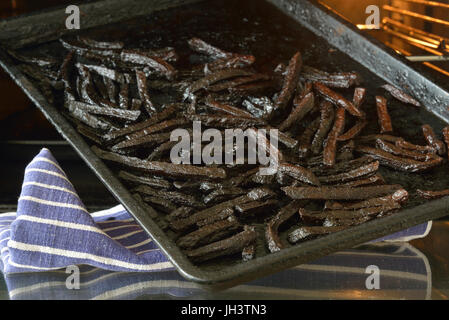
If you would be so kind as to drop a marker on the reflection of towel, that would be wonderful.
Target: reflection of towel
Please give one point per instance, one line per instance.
(404, 274)
(52, 229)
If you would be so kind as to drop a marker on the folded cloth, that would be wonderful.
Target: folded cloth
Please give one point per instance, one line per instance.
(52, 229)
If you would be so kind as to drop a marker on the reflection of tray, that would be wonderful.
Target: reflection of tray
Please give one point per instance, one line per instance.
(268, 33)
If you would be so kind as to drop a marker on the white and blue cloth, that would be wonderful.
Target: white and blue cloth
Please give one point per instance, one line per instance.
(52, 229)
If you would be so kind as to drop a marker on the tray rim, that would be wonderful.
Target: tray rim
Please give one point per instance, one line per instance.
(241, 272)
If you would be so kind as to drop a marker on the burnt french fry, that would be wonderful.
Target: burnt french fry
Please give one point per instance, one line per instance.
(299, 173)
(255, 207)
(344, 153)
(417, 148)
(373, 137)
(85, 117)
(158, 127)
(111, 112)
(168, 54)
(149, 209)
(232, 245)
(213, 78)
(305, 141)
(359, 97)
(226, 121)
(326, 119)
(432, 139)
(354, 174)
(226, 85)
(274, 242)
(37, 74)
(400, 95)
(173, 196)
(303, 89)
(223, 193)
(354, 131)
(222, 58)
(335, 80)
(124, 96)
(41, 61)
(299, 111)
(158, 117)
(318, 218)
(160, 203)
(338, 100)
(373, 180)
(84, 50)
(201, 46)
(180, 213)
(107, 73)
(160, 150)
(227, 109)
(163, 168)
(393, 200)
(155, 63)
(330, 146)
(398, 163)
(65, 72)
(382, 113)
(305, 233)
(253, 195)
(342, 167)
(258, 178)
(286, 140)
(147, 140)
(152, 182)
(101, 87)
(261, 107)
(111, 89)
(222, 215)
(234, 61)
(291, 79)
(335, 222)
(143, 92)
(90, 133)
(101, 44)
(339, 193)
(254, 88)
(431, 195)
(393, 149)
(209, 233)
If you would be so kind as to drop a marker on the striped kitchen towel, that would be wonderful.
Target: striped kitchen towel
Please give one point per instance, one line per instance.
(52, 229)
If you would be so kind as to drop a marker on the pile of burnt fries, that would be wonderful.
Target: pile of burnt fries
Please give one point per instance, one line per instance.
(217, 210)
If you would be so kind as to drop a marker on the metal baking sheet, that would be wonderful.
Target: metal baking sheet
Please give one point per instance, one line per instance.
(271, 30)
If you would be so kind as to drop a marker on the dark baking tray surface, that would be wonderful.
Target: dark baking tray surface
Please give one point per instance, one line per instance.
(272, 31)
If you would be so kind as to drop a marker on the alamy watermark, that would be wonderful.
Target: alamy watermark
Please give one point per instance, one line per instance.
(226, 147)
(374, 16)
(72, 282)
(372, 282)
(73, 21)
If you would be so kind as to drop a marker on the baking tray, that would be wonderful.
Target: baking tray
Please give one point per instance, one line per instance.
(271, 30)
